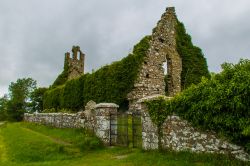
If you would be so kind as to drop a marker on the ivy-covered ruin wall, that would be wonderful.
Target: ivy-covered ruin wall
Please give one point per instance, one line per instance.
(139, 74)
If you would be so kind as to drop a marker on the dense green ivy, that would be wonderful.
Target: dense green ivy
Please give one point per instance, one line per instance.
(63, 77)
(53, 98)
(194, 65)
(110, 83)
(158, 114)
(221, 104)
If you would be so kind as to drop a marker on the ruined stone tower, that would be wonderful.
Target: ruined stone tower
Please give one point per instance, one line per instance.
(76, 63)
(162, 51)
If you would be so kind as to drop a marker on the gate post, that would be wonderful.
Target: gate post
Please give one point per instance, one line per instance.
(103, 125)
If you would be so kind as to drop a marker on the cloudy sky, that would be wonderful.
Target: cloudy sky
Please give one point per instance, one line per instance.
(35, 34)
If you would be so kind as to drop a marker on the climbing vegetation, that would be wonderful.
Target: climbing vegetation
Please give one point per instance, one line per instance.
(221, 104)
(111, 83)
(158, 114)
(63, 77)
(194, 65)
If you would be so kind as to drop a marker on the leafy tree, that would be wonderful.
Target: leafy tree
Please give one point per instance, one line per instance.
(19, 92)
(37, 99)
(3, 107)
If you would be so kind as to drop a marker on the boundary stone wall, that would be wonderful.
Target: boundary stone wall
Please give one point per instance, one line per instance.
(96, 118)
(180, 135)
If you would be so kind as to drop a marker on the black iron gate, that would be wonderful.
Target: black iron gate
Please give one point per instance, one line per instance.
(136, 130)
(125, 129)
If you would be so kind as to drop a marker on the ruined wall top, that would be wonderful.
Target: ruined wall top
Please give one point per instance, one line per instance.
(162, 51)
(75, 63)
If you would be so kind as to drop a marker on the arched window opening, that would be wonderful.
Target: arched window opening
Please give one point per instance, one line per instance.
(167, 78)
(165, 67)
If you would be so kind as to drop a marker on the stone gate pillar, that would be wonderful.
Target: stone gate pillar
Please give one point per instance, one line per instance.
(103, 127)
(149, 129)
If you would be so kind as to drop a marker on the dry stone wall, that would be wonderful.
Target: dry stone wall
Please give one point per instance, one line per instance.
(180, 135)
(96, 118)
(60, 120)
(162, 49)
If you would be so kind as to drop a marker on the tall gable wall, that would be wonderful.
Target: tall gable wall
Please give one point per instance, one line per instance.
(162, 49)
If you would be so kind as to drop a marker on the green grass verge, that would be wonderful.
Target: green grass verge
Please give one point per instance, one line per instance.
(26, 144)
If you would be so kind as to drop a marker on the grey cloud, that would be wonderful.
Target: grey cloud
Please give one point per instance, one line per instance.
(34, 35)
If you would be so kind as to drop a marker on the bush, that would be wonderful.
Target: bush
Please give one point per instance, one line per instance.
(220, 104)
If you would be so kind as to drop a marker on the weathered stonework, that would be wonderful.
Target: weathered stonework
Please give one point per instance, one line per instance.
(162, 49)
(179, 135)
(59, 120)
(75, 64)
(103, 112)
(96, 118)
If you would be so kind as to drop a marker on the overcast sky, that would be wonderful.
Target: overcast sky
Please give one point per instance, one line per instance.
(35, 34)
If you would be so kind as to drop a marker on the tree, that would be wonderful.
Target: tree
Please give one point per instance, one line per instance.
(3, 107)
(37, 99)
(20, 92)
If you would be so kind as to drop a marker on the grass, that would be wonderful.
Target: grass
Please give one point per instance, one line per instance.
(26, 144)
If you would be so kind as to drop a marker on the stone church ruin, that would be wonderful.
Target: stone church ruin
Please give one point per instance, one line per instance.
(161, 67)
(162, 50)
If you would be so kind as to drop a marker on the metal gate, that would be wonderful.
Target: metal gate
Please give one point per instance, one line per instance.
(136, 130)
(125, 129)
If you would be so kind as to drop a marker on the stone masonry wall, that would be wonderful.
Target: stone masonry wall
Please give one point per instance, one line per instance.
(96, 118)
(162, 49)
(59, 120)
(180, 135)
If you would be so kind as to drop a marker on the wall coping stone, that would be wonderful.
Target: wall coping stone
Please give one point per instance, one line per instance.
(153, 97)
(107, 105)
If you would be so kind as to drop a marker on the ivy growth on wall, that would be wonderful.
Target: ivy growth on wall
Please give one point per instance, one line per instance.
(63, 77)
(158, 114)
(221, 104)
(194, 65)
(110, 83)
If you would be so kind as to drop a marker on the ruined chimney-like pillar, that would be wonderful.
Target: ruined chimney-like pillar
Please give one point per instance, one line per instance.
(75, 63)
(67, 55)
(75, 50)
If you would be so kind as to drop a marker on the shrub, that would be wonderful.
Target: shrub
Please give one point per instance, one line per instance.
(220, 104)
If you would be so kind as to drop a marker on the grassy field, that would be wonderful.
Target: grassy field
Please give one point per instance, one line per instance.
(23, 144)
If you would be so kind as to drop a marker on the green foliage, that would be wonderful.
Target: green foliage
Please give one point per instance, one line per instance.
(19, 92)
(157, 111)
(3, 108)
(158, 114)
(194, 65)
(220, 104)
(63, 77)
(72, 94)
(53, 98)
(110, 83)
(37, 99)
